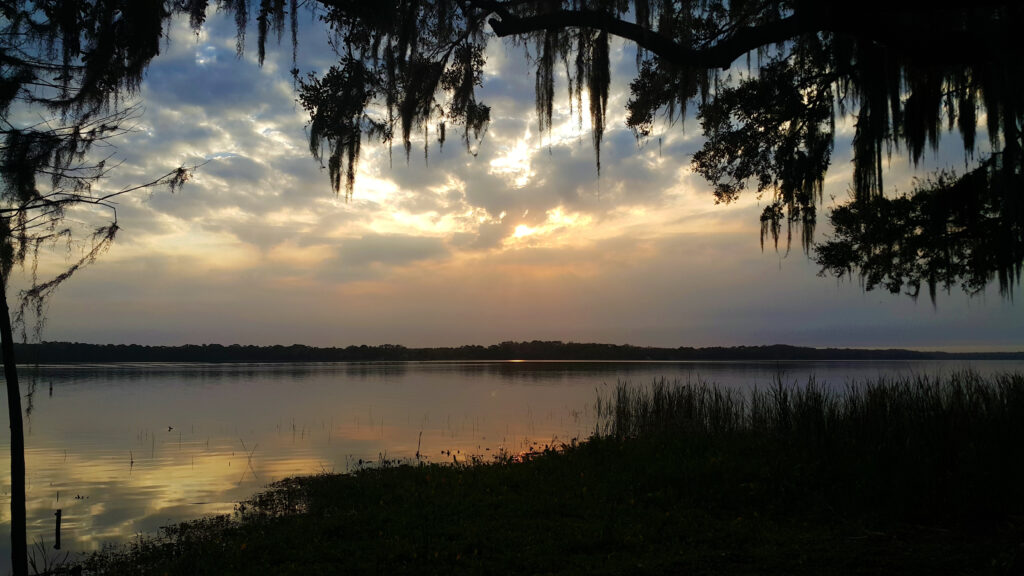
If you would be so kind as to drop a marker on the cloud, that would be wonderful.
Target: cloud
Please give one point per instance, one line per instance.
(389, 250)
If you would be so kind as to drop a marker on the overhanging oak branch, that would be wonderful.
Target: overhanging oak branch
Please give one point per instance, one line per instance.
(887, 25)
(720, 55)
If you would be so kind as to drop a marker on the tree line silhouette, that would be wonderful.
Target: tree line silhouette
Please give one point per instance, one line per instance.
(74, 352)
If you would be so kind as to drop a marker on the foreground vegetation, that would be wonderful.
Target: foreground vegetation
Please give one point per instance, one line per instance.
(916, 476)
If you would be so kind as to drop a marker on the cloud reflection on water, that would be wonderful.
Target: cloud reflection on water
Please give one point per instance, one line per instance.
(125, 449)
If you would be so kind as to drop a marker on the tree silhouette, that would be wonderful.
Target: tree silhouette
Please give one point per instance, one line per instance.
(770, 81)
(66, 68)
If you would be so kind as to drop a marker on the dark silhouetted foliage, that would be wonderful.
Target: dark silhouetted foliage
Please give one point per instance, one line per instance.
(67, 69)
(949, 230)
(61, 352)
(902, 72)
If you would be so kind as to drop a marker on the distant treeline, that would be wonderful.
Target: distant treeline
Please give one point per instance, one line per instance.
(60, 352)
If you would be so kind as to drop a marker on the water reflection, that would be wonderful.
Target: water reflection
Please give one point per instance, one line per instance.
(125, 449)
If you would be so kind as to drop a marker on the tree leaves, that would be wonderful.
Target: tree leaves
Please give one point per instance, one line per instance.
(775, 131)
(951, 229)
(417, 63)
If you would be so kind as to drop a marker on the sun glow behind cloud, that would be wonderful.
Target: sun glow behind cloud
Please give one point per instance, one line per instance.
(523, 230)
(557, 229)
(515, 163)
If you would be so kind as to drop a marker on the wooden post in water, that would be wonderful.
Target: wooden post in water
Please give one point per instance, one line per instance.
(56, 545)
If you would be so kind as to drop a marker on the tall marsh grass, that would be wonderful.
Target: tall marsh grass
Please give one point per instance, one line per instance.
(923, 446)
(885, 408)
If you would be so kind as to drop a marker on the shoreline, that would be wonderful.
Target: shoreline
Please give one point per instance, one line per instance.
(536, 351)
(915, 477)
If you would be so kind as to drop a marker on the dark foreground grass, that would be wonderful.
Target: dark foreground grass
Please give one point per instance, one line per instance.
(918, 476)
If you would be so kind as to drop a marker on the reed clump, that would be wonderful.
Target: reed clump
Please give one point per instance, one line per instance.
(923, 447)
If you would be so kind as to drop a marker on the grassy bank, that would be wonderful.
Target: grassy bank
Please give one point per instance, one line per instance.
(916, 476)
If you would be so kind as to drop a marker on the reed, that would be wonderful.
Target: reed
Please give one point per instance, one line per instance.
(925, 446)
(918, 404)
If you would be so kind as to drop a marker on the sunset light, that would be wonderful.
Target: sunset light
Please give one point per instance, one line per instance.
(523, 230)
(515, 164)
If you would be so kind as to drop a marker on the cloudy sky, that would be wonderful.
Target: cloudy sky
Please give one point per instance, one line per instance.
(520, 241)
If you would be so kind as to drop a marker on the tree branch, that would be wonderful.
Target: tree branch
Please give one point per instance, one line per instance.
(720, 55)
(886, 24)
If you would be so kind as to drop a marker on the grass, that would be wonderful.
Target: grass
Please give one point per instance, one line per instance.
(911, 476)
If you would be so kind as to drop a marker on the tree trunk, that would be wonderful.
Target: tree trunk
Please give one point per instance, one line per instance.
(19, 537)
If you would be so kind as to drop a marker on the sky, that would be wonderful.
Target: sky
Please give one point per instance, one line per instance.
(520, 240)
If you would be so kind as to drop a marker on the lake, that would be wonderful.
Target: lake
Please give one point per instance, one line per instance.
(122, 449)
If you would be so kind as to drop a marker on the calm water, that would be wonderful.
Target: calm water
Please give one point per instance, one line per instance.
(125, 449)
